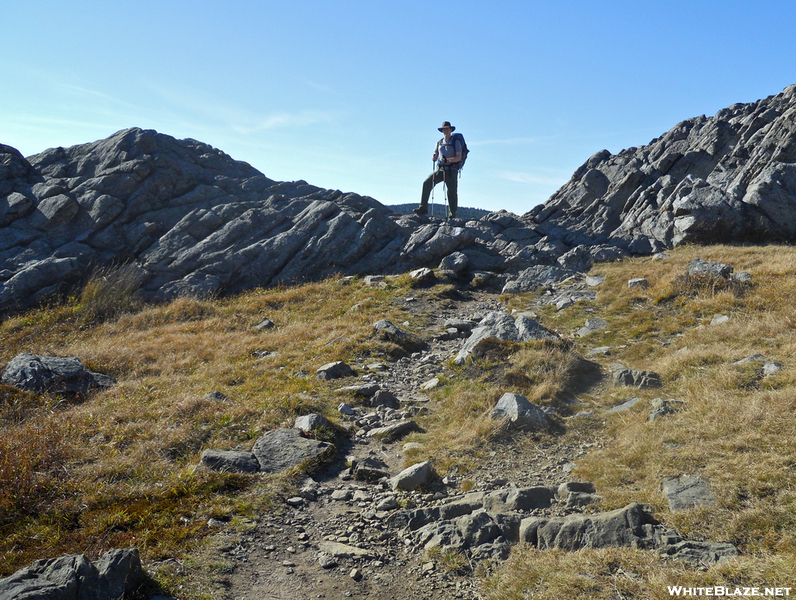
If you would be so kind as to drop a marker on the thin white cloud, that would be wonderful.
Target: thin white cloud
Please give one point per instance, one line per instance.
(239, 120)
(521, 141)
(87, 92)
(317, 86)
(532, 178)
(303, 118)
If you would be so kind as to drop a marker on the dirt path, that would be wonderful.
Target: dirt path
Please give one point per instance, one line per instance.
(285, 555)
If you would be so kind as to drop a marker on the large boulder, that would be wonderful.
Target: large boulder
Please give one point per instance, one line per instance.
(502, 326)
(53, 374)
(519, 412)
(117, 573)
(282, 449)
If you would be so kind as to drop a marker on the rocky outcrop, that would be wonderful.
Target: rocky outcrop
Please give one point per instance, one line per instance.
(502, 326)
(190, 220)
(116, 574)
(487, 525)
(53, 374)
(726, 178)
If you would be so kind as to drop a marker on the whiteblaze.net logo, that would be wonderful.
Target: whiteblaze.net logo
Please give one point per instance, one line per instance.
(722, 591)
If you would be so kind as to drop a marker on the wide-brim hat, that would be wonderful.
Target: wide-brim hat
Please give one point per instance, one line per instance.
(446, 124)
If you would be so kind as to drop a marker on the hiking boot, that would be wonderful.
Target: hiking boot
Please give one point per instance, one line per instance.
(420, 210)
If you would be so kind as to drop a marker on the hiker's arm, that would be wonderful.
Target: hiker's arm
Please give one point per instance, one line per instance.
(455, 159)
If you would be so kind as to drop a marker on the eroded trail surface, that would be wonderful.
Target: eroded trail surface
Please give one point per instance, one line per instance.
(337, 540)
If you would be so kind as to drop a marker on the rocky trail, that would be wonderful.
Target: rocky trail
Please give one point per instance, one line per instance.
(340, 537)
(337, 540)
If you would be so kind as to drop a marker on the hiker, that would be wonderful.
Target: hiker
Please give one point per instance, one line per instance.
(447, 158)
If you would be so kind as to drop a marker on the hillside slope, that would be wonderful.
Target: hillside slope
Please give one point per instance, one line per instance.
(121, 466)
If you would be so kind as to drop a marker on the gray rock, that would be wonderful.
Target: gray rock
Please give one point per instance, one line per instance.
(742, 277)
(370, 469)
(624, 376)
(394, 431)
(423, 275)
(326, 560)
(365, 390)
(591, 326)
(771, 367)
(384, 398)
(595, 280)
(519, 412)
(388, 503)
(334, 370)
(536, 277)
(720, 179)
(52, 374)
(499, 501)
(342, 495)
(624, 527)
(624, 406)
(501, 326)
(283, 449)
(687, 491)
(431, 384)
(312, 422)
(345, 409)
(701, 267)
(485, 525)
(265, 324)
(195, 221)
(456, 262)
(600, 351)
(661, 408)
(230, 461)
(430, 243)
(415, 477)
(638, 282)
(459, 324)
(581, 499)
(565, 489)
(409, 342)
(752, 358)
(516, 499)
(569, 297)
(701, 553)
(344, 551)
(75, 577)
(215, 396)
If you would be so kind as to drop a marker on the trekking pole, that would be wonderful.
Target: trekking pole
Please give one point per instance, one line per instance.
(445, 188)
(433, 184)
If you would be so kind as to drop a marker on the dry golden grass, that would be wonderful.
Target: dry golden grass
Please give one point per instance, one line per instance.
(118, 467)
(737, 429)
(624, 574)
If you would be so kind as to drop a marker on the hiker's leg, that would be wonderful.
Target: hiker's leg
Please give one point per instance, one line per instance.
(428, 184)
(452, 181)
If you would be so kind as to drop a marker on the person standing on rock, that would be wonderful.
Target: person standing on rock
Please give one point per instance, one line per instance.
(447, 156)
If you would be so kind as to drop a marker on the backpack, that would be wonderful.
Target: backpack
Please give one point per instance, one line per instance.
(465, 151)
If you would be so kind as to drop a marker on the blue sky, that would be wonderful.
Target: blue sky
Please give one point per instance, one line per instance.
(349, 95)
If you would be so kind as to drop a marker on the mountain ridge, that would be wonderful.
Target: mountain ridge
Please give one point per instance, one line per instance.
(193, 221)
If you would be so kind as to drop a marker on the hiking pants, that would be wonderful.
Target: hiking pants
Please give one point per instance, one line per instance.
(451, 179)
